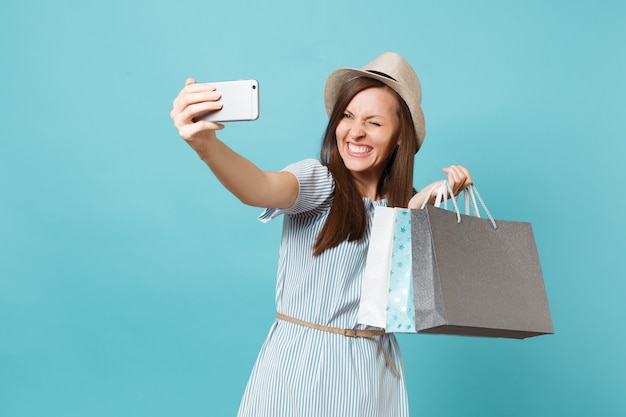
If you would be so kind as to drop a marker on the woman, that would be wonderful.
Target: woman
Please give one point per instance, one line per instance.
(316, 360)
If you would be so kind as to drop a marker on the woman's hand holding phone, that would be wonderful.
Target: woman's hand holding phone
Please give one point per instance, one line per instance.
(194, 99)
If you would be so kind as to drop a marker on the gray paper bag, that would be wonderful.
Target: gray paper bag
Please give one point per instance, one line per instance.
(471, 279)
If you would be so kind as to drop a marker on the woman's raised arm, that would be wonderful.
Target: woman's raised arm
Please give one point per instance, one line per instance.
(245, 180)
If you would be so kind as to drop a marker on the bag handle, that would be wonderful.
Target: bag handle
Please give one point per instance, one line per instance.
(470, 195)
(442, 197)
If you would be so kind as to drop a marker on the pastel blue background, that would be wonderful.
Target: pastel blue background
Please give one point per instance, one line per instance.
(132, 284)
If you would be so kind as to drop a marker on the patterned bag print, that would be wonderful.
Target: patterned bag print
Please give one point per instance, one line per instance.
(400, 303)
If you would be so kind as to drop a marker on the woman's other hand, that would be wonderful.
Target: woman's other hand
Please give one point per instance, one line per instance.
(459, 179)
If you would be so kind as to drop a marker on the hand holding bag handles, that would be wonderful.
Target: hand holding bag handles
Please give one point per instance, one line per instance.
(470, 195)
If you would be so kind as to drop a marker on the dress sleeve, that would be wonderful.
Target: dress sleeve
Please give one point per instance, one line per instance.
(316, 186)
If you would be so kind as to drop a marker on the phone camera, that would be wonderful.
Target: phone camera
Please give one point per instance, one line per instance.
(254, 87)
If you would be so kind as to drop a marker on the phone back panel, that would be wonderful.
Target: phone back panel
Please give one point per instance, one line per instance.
(240, 101)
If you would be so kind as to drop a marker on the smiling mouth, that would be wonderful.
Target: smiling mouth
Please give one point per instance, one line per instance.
(359, 149)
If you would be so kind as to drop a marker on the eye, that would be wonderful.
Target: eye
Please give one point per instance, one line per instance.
(347, 116)
(375, 124)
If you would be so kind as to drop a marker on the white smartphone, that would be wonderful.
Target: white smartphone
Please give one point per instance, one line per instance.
(240, 99)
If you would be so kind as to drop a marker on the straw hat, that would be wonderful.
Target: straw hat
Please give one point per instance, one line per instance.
(392, 70)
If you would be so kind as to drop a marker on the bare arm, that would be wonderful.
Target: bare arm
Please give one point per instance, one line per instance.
(245, 180)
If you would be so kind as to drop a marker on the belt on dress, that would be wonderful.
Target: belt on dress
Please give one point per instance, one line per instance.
(367, 334)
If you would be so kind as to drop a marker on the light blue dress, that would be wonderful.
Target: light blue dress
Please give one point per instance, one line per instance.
(307, 372)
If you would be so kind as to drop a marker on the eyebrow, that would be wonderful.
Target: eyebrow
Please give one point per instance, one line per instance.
(368, 117)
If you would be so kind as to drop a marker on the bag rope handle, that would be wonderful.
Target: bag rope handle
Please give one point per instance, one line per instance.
(470, 195)
(442, 197)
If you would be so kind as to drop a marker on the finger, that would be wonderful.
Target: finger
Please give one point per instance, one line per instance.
(455, 180)
(198, 87)
(462, 171)
(465, 175)
(190, 131)
(198, 97)
(458, 171)
(453, 174)
(192, 87)
(194, 93)
(204, 125)
(190, 104)
(187, 114)
(458, 177)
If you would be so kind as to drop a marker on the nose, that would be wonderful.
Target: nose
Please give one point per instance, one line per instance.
(357, 130)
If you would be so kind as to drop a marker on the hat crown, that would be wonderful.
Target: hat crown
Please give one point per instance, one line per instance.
(392, 65)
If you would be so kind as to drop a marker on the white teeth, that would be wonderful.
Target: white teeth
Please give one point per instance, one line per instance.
(358, 149)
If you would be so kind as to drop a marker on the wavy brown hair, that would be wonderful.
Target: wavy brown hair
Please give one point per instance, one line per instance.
(348, 219)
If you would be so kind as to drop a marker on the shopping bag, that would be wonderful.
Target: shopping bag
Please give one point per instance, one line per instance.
(400, 299)
(375, 281)
(387, 286)
(475, 276)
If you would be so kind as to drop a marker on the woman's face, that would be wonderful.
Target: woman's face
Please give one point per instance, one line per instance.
(367, 132)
